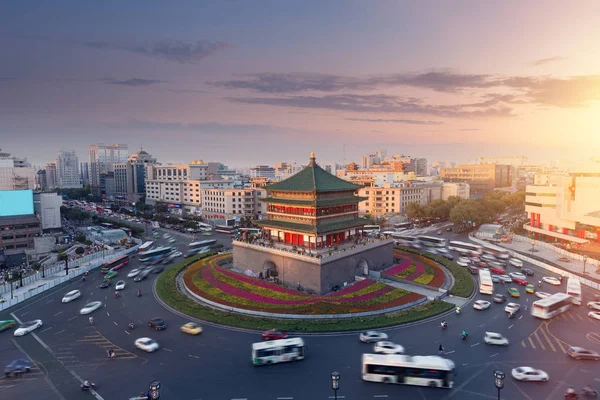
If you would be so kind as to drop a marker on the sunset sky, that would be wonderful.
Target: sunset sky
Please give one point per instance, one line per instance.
(248, 82)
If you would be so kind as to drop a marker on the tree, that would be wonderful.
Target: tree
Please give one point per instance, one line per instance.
(494, 206)
(473, 210)
(80, 250)
(453, 201)
(190, 225)
(161, 208)
(414, 210)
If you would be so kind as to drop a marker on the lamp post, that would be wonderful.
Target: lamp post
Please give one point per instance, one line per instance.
(585, 257)
(532, 247)
(499, 380)
(335, 383)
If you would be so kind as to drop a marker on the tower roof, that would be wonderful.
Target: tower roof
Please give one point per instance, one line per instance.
(313, 178)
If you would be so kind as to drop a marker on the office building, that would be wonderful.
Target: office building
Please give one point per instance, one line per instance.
(262, 171)
(457, 189)
(18, 223)
(219, 205)
(392, 199)
(15, 173)
(102, 159)
(84, 173)
(40, 180)
(67, 170)
(482, 178)
(130, 178)
(47, 208)
(51, 176)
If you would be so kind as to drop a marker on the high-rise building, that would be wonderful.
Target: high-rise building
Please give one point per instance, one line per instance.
(84, 173)
(130, 178)
(482, 178)
(102, 159)
(15, 173)
(262, 171)
(393, 199)
(40, 180)
(51, 176)
(67, 170)
(47, 207)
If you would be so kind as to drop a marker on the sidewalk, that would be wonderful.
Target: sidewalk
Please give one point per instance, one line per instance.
(47, 281)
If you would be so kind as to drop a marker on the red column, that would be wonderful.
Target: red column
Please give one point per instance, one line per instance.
(565, 231)
(532, 219)
(550, 228)
(539, 222)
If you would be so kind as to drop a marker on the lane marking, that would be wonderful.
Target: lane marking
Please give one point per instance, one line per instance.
(481, 325)
(107, 314)
(531, 342)
(115, 323)
(193, 356)
(511, 326)
(465, 364)
(473, 345)
(496, 316)
(243, 398)
(127, 333)
(525, 307)
(72, 318)
(165, 349)
(494, 355)
(25, 313)
(381, 396)
(450, 352)
(331, 397)
(520, 317)
(59, 332)
(50, 301)
(289, 398)
(47, 329)
(60, 312)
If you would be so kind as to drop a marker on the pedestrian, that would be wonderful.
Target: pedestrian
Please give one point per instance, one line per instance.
(441, 350)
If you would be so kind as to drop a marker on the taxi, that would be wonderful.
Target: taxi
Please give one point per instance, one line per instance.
(111, 275)
(514, 292)
(530, 289)
(9, 323)
(191, 328)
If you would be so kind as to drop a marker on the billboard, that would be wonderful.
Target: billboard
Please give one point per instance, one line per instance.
(16, 202)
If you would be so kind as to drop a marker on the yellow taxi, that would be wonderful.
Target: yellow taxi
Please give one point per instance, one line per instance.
(530, 289)
(191, 328)
(514, 292)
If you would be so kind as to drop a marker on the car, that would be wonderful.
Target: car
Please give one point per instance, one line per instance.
(27, 327)
(158, 269)
(530, 288)
(191, 328)
(515, 262)
(514, 292)
(166, 236)
(274, 334)
(496, 279)
(475, 259)
(17, 367)
(111, 274)
(386, 347)
(496, 270)
(521, 282)
(551, 280)
(517, 275)
(7, 324)
(473, 270)
(481, 305)
(528, 271)
(530, 374)
(495, 338)
(594, 305)
(447, 256)
(594, 315)
(105, 284)
(207, 234)
(499, 298)
(72, 295)
(449, 229)
(157, 323)
(542, 295)
(443, 250)
(176, 253)
(172, 240)
(481, 264)
(488, 257)
(579, 353)
(146, 344)
(141, 276)
(90, 307)
(506, 278)
(439, 232)
(464, 262)
(497, 264)
(512, 308)
(372, 336)
(120, 285)
(134, 272)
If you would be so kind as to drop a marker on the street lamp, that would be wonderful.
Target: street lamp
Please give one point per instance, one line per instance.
(585, 257)
(335, 383)
(532, 247)
(499, 380)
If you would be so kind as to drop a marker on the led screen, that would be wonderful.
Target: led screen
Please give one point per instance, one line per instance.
(16, 202)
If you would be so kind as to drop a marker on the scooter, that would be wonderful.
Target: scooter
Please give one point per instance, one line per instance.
(588, 392)
(444, 325)
(84, 388)
(139, 293)
(464, 337)
(130, 325)
(457, 311)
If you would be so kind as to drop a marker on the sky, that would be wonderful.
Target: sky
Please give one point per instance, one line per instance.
(259, 82)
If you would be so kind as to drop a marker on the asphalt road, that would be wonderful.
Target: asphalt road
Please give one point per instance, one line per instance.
(217, 365)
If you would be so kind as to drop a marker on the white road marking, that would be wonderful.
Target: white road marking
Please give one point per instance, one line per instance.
(525, 308)
(91, 293)
(47, 329)
(450, 352)
(58, 333)
(520, 317)
(72, 318)
(193, 356)
(50, 301)
(25, 313)
(287, 398)
(464, 364)
(241, 398)
(511, 326)
(585, 371)
(165, 349)
(331, 397)
(473, 345)
(494, 355)
(481, 325)
(127, 333)
(115, 323)
(60, 312)
(107, 314)
(496, 316)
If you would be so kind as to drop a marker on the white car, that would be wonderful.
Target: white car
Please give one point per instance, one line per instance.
(551, 280)
(495, 338)
(146, 344)
(388, 348)
(594, 315)
(488, 257)
(372, 336)
(27, 327)
(512, 307)
(120, 285)
(517, 275)
(505, 278)
(515, 262)
(134, 272)
(166, 236)
(594, 305)
(542, 295)
(464, 262)
(481, 305)
(90, 307)
(443, 250)
(72, 295)
(530, 374)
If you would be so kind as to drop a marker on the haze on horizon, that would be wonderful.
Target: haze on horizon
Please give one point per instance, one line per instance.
(267, 81)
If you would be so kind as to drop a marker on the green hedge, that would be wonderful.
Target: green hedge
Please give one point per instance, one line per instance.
(463, 282)
(166, 289)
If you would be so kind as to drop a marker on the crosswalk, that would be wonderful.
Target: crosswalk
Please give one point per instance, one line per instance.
(97, 339)
(7, 383)
(542, 339)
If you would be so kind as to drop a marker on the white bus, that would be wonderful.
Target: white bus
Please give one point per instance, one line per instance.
(205, 227)
(465, 247)
(486, 286)
(432, 241)
(146, 246)
(500, 254)
(371, 228)
(433, 371)
(551, 306)
(574, 290)
(404, 240)
(276, 351)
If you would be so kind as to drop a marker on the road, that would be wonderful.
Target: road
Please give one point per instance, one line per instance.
(216, 365)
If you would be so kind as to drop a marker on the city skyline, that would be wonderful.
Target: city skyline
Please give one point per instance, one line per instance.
(250, 85)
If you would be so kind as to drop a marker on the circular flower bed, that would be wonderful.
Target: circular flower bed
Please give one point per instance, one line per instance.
(212, 282)
(416, 268)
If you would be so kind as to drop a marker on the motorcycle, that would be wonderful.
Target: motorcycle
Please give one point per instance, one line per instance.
(464, 337)
(139, 293)
(589, 392)
(444, 325)
(117, 295)
(131, 325)
(85, 387)
(457, 311)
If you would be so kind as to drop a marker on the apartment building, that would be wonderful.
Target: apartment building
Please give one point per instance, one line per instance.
(393, 199)
(67, 170)
(482, 178)
(102, 159)
(130, 178)
(219, 205)
(458, 189)
(15, 173)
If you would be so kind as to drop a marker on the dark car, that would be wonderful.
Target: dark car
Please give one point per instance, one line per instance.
(157, 323)
(158, 269)
(447, 256)
(499, 298)
(17, 367)
(105, 284)
(527, 271)
(274, 334)
(142, 275)
(473, 270)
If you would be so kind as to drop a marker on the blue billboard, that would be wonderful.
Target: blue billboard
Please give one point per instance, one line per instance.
(16, 202)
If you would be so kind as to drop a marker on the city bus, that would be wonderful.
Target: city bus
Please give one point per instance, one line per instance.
(205, 227)
(145, 247)
(276, 351)
(404, 240)
(574, 290)
(225, 229)
(371, 228)
(432, 241)
(465, 247)
(115, 264)
(154, 254)
(403, 226)
(486, 286)
(500, 254)
(551, 306)
(431, 371)
(197, 247)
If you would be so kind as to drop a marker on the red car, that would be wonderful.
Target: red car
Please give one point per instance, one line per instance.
(274, 334)
(481, 264)
(521, 282)
(498, 271)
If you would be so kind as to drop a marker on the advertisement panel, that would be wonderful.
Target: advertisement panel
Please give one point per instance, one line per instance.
(16, 202)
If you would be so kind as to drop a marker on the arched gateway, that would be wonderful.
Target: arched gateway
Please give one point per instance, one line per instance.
(270, 269)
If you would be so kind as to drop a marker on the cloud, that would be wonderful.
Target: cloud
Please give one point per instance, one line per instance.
(205, 127)
(171, 50)
(576, 91)
(548, 60)
(191, 91)
(133, 82)
(470, 129)
(396, 121)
